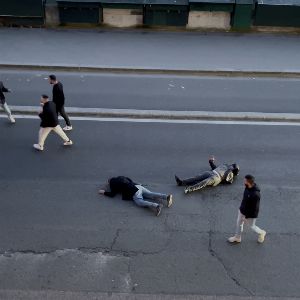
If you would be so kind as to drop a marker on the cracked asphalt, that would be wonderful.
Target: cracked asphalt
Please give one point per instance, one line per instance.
(60, 238)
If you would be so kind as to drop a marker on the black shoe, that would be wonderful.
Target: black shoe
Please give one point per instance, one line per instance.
(179, 182)
(158, 210)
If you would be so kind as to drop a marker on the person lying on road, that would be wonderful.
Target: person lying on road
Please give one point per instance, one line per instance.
(222, 173)
(136, 192)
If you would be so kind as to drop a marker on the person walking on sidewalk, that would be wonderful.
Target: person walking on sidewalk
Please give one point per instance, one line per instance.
(248, 211)
(58, 98)
(136, 192)
(3, 103)
(49, 122)
(218, 174)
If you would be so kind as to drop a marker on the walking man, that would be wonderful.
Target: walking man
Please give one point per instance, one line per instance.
(136, 192)
(49, 122)
(58, 98)
(3, 103)
(248, 211)
(218, 174)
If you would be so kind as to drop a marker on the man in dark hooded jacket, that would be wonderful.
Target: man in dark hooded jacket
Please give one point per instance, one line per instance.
(136, 192)
(222, 173)
(248, 211)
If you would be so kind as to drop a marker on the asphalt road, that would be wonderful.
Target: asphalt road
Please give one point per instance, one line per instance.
(159, 91)
(58, 234)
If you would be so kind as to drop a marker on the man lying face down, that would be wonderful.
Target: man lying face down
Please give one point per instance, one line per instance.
(223, 173)
(136, 192)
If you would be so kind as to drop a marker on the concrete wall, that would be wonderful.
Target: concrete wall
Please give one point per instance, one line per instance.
(209, 19)
(122, 17)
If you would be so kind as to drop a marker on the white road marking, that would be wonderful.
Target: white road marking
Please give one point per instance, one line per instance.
(135, 120)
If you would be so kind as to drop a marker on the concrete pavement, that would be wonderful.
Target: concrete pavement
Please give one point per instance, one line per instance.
(58, 234)
(152, 51)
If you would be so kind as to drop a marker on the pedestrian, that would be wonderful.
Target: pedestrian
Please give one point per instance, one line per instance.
(136, 192)
(224, 173)
(49, 122)
(248, 211)
(58, 98)
(3, 103)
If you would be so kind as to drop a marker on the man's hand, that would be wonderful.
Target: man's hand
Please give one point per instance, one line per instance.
(212, 158)
(101, 192)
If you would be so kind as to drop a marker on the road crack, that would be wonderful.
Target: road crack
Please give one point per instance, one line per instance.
(228, 272)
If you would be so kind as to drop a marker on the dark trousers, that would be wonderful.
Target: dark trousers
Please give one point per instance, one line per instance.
(197, 179)
(61, 111)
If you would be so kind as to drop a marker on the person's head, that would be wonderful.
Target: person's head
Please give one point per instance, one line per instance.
(44, 99)
(235, 169)
(249, 181)
(52, 79)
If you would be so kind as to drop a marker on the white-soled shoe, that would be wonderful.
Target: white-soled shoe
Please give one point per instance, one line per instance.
(68, 128)
(234, 240)
(261, 237)
(68, 143)
(12, 119)
(38, 147)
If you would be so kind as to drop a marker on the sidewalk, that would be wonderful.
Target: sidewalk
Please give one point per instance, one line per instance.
(148, 51)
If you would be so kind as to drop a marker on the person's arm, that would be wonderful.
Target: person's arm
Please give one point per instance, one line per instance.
(108, 193)
(4, 89)
(212, 162)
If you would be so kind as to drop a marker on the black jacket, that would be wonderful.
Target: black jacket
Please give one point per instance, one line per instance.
(250, 204)
(49, 116)
(122, 185)
(58, 96)
(3, 89)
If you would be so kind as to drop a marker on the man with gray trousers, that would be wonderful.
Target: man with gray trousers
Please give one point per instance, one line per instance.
(3, 103)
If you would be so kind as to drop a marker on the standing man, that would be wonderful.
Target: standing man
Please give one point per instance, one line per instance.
(58, 98)
(3, 103)
(49, 122)
(248, 211)
(136, 192)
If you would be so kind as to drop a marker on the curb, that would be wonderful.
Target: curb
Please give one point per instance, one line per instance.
(124, 70)
(167, 115)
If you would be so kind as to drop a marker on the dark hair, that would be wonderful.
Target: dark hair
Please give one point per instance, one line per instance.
(250, 178)
(52, 77)
(45, 96)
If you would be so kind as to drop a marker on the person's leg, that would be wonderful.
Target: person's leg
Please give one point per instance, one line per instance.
(62, 112)
(239, 229)
(7, 111)
(207, 182)
(43, 133)
(153, 196)
(261, 233)
(138, 198)
(240, 225)
(196, 179)
(58, 130)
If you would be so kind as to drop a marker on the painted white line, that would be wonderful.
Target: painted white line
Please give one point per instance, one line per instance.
(133, 120)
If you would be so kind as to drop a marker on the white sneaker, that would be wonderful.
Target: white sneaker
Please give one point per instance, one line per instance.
(38, 147)
(67, 128)
(68, 143)
(12, 119)
(169, 200)
(234, 240)
(261, 237)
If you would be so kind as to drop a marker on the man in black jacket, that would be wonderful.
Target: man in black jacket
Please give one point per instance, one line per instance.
(49, 122)
(248, 211)
(136, 192)
(222, 173)
(59, 100)
(3, 103)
